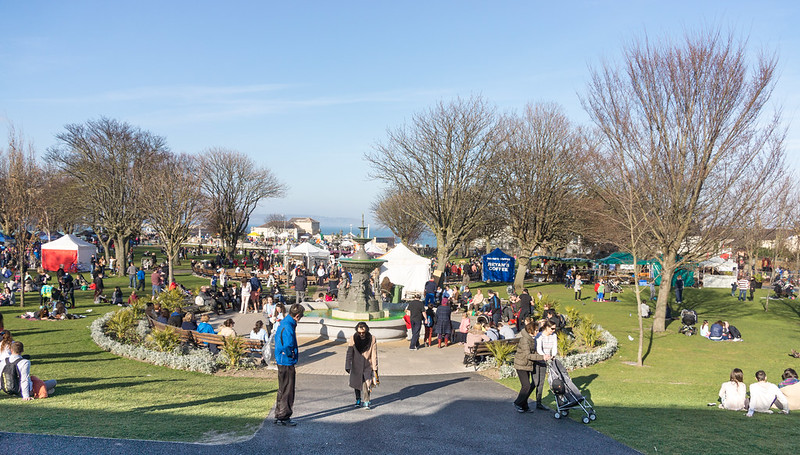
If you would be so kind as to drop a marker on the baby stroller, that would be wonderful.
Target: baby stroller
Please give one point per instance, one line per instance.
(567, 394)
(689, 319)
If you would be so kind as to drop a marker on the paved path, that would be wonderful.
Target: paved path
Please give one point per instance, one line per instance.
(412, 414)
(427, 402)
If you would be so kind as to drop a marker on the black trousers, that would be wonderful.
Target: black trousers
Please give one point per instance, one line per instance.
(526, 388)
(285, 398)
(415, 327)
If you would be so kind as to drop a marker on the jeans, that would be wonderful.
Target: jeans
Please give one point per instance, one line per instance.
(430, 298)
(132, 281)
(742, 294)
(679, 295)
(156, 290)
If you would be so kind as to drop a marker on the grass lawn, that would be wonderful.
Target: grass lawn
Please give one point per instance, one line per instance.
(662, 407)
(99, 394)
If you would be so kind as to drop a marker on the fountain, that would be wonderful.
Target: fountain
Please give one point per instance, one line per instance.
(356, 303)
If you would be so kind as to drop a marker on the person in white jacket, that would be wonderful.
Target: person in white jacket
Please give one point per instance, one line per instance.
(764, 394)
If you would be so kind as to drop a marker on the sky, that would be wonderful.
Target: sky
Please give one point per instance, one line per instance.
(307, 88)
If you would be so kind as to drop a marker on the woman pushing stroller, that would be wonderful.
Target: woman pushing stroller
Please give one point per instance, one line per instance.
(530, 371)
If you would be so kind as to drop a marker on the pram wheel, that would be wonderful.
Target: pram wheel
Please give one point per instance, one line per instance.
(565, 412)
(585, 419)
(557, 415)
(592, 417)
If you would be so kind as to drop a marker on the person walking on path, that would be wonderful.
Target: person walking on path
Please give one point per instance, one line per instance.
(524, 363)
(362, 364)
(444, 326)
(286, 353)
(300, 285)
(416, 313)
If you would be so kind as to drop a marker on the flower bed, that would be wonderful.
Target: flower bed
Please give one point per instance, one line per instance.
(199, 360)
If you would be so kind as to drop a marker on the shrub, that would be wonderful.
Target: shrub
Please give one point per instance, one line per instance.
(572, 315)
(587, 333)
(164, 340)
(566, 343)
(590, 358)
(137, 307)
(538, 305)
(171, 300)
(235, 349)
(502, 352)
(121, 324)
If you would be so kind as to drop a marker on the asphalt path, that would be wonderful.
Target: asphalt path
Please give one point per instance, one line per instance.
(464, 412)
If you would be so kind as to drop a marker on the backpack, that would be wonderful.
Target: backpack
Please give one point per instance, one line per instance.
(9, 382)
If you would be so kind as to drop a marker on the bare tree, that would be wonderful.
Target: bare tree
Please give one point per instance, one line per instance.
(392, 210)
(62, 211)
(233, 185)
(539, 165)
(112, 162)
(21, 178)
(689, 113)
(174, 205)
(444, 161)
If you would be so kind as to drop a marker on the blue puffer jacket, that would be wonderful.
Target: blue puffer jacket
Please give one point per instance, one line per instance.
(286, 342)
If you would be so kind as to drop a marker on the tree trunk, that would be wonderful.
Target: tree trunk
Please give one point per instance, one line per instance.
(171, 265)
(22, 270)
(442, 256)
(121, 253)
(668, 269)
(519, 277)
(105, 245)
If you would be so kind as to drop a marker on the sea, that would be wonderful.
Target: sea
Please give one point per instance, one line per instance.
(426, 238)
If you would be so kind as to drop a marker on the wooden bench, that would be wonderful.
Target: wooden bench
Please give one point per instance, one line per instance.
(200, 339)
(481, 349)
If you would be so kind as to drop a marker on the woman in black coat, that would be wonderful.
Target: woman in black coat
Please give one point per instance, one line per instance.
(443, 326)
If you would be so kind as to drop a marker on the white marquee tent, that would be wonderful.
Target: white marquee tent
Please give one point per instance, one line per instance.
(406, 268)
(309, 252)
(70, 251)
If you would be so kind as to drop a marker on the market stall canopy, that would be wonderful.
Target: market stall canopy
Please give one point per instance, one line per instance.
(372, 248)
(69, 250)
(498, 266)
(309, 250)
(406, 268)
(620, 257)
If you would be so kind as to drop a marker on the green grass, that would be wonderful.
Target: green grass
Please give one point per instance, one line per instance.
(662, 407)
(99, 394)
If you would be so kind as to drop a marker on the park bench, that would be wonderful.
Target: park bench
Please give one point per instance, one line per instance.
(481, 350)
(199, 339)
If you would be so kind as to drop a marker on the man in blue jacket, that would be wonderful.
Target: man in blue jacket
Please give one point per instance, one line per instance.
(286, 357)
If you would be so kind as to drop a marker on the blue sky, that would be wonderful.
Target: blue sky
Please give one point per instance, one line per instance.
(306, 88)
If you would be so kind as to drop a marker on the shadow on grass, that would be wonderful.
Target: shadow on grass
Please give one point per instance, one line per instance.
(216, 399)
(65, 388)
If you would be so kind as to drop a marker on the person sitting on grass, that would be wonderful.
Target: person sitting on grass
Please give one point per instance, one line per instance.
(705, 329)
(733, 394)
(116, 297)
(716, 333)
(29, 387)
(764, 394)
(790, 387)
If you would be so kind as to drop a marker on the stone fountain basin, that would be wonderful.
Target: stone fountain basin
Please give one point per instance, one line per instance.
(342, 329)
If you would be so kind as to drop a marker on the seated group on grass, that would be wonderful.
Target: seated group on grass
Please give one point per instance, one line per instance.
(16, 376)
(763, 394)
(720, 331)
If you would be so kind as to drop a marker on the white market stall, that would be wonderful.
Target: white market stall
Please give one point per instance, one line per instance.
(310, 253)
(406, 268)
(718, 264)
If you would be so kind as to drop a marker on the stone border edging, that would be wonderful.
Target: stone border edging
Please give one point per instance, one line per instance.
(587, 359)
